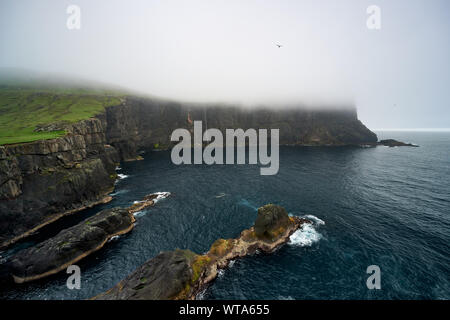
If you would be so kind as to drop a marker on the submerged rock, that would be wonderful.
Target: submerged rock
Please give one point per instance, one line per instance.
(70, 245)
(182, 274)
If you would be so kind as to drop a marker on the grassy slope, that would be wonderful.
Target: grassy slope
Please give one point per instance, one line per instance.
(23, 108)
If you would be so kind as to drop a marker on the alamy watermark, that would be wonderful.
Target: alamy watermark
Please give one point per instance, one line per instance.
(74, 280)
(74, 19)
(256, 141)
(374, 20)
(374, 280)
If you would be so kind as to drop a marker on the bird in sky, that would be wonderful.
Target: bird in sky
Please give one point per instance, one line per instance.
(279, 45)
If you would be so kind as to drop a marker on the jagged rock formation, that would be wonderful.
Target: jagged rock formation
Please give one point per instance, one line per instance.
(44, 180)
(182, 274)
(77, 242)
(70, 245)
(270, 218)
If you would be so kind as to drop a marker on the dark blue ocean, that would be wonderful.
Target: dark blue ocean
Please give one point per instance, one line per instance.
(376, 206)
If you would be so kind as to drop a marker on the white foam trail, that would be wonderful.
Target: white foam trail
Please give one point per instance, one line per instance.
(114, 238)
(307, 234)
(220, 273)
(118, 192)
(138, 213)
(316, 220)
(223, 194)
(285, 298)
(201, 295)
(122, 176)
(231, 263)
(118, 168)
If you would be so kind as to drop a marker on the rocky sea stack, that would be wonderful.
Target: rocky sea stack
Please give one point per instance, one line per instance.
(182, 274)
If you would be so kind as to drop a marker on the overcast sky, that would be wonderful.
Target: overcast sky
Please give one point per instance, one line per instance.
(398, 76)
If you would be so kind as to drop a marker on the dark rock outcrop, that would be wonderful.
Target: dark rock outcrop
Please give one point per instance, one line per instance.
(270, 219)
(182, 274)
(70, 245)
(161, 278)
(395, 143)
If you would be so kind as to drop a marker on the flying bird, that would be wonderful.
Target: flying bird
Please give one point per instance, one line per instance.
(279, 45)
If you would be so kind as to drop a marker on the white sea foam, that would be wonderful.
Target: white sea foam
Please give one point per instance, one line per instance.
(122, 176)
(161, 195)
(285, 298)
(316, 220)
(118, 192)
(138, 213)
(231, 263)
(201, 295)
(220, 273)
(222, 194)
(114, 238)
(307, 234)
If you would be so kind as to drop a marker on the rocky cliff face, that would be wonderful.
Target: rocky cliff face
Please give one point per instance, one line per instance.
(145, 123)
(44, 180)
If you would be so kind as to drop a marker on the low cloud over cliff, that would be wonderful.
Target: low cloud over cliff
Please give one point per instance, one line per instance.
(227, 51)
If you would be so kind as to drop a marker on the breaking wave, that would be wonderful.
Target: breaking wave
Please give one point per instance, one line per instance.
(159, 196)
(307, 235)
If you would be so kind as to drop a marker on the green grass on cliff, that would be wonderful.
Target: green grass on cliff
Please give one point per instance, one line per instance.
(22, 109)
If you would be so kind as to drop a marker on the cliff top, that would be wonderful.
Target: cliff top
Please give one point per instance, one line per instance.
(28, 114)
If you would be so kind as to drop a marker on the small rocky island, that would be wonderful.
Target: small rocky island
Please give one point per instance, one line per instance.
(75, 243)
(183, 274)
(394, 143)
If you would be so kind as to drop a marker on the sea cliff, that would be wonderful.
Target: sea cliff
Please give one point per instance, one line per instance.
(44, 180)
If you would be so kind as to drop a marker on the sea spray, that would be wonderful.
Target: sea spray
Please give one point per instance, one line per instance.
(307, 234)
(159, 196)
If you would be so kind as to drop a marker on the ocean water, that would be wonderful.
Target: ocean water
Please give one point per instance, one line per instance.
(377, 206)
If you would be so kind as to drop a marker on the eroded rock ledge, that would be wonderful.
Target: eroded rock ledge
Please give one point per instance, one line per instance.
(75, 243)
(182, 274)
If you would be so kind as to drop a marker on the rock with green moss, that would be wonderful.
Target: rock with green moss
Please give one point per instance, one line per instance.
(271, 218)
(182, 274)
